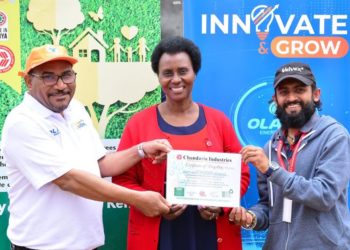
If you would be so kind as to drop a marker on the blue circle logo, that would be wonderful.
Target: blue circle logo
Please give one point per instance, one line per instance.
(254, 114)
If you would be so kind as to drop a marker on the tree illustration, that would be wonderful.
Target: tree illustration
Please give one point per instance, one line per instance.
(51, 17)
(107, 83)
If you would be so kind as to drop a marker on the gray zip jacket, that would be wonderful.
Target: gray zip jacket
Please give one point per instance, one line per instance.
(318, 190)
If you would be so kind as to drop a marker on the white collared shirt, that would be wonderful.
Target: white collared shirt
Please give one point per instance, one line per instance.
(39, 146)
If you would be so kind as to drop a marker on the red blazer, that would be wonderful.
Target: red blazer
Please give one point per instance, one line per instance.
(143, 231)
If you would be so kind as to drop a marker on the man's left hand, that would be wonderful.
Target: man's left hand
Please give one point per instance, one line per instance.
(256, 156)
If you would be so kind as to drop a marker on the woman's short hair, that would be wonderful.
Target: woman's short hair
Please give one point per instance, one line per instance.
(174, 45)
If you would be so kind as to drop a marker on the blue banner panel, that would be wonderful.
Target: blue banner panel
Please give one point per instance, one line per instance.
(244, 42)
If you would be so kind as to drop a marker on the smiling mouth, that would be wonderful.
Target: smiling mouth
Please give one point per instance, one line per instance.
(293, 106)
(293, 109)
(59, 94)
(177, 89)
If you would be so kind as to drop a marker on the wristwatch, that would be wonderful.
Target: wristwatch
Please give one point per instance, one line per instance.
(254, 221)
(273, 166)
(140, 151)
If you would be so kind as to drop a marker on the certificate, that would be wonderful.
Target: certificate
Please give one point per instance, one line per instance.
(203, 178)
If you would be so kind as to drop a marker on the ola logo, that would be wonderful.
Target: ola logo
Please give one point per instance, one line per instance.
(253, 115)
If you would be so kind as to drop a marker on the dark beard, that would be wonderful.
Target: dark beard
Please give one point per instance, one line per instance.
(295, 120)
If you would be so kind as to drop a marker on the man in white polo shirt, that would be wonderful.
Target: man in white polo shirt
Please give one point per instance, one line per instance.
(55, 161)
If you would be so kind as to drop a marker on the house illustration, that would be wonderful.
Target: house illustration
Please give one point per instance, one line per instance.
(89, 46)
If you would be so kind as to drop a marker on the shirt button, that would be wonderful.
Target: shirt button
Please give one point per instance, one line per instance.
(220, 240)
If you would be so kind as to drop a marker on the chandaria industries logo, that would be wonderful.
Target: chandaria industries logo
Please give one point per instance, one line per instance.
(254, 115)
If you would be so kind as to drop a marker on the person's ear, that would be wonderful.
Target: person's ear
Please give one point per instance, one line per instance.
(316, 95)
(28, 81)
(274, 98)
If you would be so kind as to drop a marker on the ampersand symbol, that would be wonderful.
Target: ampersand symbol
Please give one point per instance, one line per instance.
(262, 50)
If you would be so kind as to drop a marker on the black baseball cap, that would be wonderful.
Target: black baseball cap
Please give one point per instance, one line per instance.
(295, 70)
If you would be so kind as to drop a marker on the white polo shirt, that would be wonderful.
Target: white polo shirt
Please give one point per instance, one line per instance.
(40, 146)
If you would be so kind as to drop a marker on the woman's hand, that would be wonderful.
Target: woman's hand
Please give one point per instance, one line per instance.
(209, 213)
(174, 212)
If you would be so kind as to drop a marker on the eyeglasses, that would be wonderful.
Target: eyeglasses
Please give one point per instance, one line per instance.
(51, 79)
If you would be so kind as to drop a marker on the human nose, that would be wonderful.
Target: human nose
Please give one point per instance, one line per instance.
(292, 96)
(60, 83)
(176, 78)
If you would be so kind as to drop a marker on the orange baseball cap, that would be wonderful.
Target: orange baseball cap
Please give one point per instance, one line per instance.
(44, 54)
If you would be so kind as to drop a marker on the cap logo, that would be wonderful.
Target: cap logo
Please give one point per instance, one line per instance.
(52, 49)
(292, 69)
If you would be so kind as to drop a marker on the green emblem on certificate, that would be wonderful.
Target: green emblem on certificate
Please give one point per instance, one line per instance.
(179, 191)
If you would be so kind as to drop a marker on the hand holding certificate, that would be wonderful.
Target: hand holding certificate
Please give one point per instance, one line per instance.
(203, 178)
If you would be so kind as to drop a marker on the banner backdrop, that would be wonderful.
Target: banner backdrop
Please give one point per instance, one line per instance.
(244, 42)
(10, 64)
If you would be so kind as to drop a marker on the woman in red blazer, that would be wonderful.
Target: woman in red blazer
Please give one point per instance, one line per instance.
(187, 125)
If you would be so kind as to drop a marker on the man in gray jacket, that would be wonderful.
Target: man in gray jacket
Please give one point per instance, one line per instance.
(303, 171)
